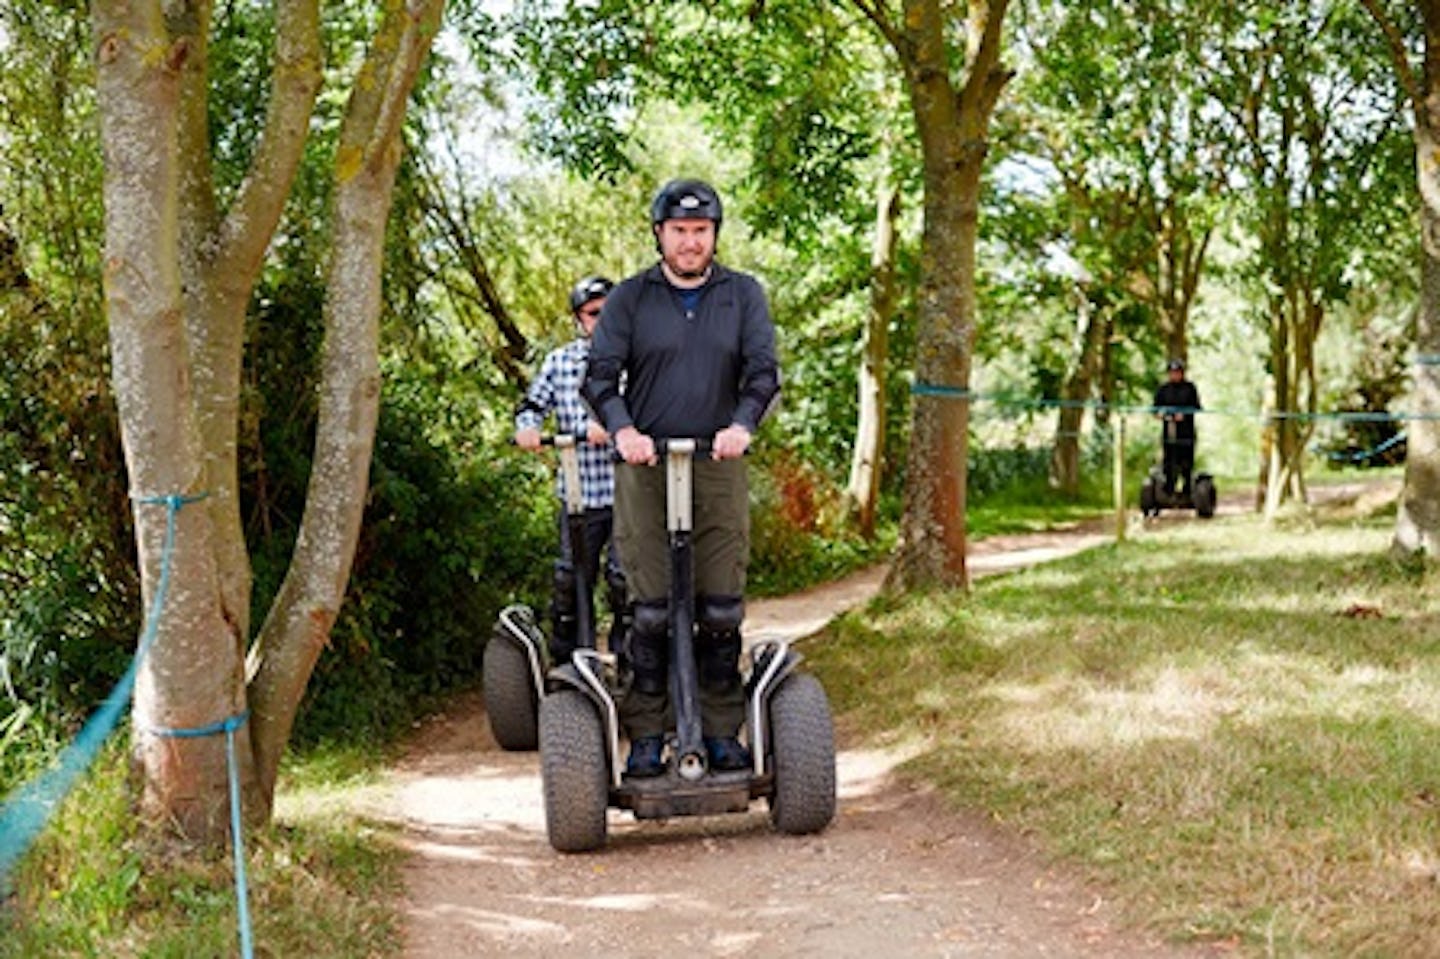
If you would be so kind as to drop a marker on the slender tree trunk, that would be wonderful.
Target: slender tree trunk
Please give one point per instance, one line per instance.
(1417, 525)
(298, 624)
(867, 463)
(953, 126)
(221, 256)
(1065, 458)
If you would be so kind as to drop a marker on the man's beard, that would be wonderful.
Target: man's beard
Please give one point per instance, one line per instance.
(673, 264)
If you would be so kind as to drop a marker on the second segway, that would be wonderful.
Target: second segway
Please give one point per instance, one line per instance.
(516, 657)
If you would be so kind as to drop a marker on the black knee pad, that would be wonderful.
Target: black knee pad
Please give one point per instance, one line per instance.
(648, 646)
(565, 581)
(563, 619)
(717, 640)
(615, 579)
(618, 600)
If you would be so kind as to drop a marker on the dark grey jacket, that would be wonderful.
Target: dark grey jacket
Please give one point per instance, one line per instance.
(684, 374)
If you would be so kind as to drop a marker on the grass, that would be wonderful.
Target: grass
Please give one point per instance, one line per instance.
(1236, 727)
(322, 883)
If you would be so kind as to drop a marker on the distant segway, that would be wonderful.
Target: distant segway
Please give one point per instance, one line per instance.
(788, 721)
(516, 658)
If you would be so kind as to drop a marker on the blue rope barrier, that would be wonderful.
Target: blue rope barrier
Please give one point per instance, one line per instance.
(940, 389)
(1364, 454)
(228, 726)
(25, 815)
(1025, 402)
(28, 810)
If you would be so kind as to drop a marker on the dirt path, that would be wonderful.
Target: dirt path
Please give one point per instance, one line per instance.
(895, 875)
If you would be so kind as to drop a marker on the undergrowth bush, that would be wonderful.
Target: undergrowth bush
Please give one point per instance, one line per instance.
(799, 532)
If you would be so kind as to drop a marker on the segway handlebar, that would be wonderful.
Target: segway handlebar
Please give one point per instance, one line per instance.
(666, 444)
(562, 440)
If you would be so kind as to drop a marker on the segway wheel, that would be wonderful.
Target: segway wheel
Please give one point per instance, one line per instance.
(573, 770)
(803, 739)
(510, 697)
(1203, 496)
(1149, 501)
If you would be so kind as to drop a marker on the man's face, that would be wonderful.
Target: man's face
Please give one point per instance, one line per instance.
(589, 315)
(687, 246)
(1177, 375)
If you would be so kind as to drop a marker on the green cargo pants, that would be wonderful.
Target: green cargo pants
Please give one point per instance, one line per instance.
(721, 539)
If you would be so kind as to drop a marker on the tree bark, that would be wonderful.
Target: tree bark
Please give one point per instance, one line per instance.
(221, 256)
(1417, 525)
(190, 675)
(952, 119)
(1065, 458)
(178, 278)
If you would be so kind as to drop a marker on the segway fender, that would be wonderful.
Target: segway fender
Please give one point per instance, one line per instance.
(517, 624)
(585, 673)
(772, 661)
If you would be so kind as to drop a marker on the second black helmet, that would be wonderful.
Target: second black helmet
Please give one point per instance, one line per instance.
(587, 289)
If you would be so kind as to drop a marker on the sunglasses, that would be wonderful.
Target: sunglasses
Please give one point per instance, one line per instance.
(591, 313)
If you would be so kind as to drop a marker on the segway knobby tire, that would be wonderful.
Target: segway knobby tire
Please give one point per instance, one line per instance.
(573, 770)
(803, 741)
(1204, 497)
(510, 695)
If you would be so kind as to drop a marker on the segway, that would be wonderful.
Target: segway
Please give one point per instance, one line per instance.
(516, 658)
(791, 736)
(1154, 497)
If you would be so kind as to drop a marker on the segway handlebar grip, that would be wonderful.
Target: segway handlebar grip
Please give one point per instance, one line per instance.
(698, 447)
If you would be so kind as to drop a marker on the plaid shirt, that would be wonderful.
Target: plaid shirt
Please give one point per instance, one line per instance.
(557, 389)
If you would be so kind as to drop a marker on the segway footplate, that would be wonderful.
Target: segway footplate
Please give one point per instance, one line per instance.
(670, 796)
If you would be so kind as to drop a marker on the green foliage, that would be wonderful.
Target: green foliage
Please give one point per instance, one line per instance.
(67, 586)
(452, 531)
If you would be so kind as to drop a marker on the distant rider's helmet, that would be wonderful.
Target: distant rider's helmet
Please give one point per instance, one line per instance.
(1175, 364)
(587, 289)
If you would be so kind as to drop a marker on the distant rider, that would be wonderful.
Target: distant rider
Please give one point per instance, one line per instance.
(1176, 402)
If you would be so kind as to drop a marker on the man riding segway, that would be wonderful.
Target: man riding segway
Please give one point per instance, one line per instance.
(1176, 402)
(683, 368)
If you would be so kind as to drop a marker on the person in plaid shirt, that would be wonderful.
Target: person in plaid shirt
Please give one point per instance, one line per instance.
(556, 389)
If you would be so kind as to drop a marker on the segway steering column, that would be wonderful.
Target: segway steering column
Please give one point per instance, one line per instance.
(684, 681)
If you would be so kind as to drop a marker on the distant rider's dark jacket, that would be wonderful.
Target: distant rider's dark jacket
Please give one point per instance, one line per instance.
(1179, 396)
(685, 373)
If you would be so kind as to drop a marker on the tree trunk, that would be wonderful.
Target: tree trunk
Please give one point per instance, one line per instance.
(1417, 525)
(863, 490)
(952, 126)
(190, 675)
(1074, 392)
(178, 280)
(221, 257)
(298, 624)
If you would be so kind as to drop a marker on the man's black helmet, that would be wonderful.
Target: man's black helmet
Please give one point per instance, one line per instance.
(686, 200)
(1175, 364)
(589, 288)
